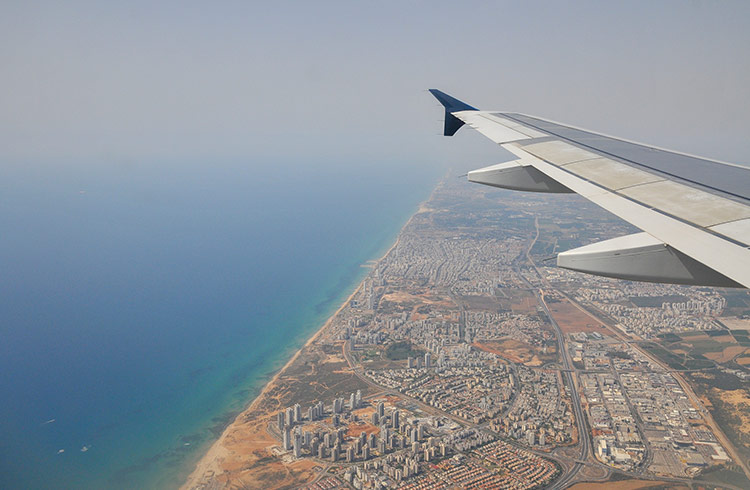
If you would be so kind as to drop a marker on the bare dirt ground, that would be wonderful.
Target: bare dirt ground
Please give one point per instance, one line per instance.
(514, 351)
(727, 354)
(572, 319)
(526, 306)
(245, 459)
(740, 401)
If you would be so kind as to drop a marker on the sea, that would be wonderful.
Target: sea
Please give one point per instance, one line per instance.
(144, 304)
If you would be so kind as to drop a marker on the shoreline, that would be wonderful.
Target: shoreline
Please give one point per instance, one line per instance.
(216, 450)
(208, 463)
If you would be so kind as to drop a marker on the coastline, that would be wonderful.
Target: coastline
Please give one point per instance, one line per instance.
(209, 463)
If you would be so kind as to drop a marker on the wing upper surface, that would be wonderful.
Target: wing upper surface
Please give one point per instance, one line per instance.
(698, 206)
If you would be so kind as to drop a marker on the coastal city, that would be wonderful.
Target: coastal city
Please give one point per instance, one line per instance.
(465, 360)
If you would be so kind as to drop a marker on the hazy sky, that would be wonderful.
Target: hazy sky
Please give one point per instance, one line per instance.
(100, 81)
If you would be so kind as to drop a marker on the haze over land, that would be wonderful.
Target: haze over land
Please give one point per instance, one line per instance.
(187, 190)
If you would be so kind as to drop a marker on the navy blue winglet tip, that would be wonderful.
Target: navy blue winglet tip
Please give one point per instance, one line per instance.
(451, 104)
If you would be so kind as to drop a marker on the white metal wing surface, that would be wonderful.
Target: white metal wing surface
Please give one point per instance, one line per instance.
(695, 212)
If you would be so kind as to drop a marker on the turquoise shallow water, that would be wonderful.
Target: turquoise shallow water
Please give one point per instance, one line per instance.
(143, 305)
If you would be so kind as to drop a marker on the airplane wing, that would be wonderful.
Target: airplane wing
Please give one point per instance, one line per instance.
(694, 212)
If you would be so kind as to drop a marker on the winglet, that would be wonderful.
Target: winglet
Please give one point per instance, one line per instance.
(451, 104)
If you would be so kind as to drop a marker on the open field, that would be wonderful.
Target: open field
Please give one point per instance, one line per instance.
(571, 319)
(525, 305)
(726, 354)
(729, 401)
(701, 350)
(740, 400)
(313, 376)
(518, 352)
(678, 359)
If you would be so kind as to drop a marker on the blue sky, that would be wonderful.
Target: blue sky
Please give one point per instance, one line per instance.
(94, 82)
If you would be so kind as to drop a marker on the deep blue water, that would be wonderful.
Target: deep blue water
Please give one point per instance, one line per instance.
(142, 305)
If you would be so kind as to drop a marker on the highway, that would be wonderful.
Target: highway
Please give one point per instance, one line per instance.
(567, 369)
(583, 433)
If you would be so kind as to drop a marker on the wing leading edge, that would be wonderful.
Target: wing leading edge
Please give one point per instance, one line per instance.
(695, 212)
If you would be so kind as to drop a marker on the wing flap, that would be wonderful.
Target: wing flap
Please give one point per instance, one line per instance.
(610, 174)
(687, 203)
(559, 152)
(736, 230)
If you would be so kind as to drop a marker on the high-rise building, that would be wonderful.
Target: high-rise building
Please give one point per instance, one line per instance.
(297, 413)
(311, 413)
(381, 446)
(381, 409)
(289, 416)
(366, 453)
(280, 420)
(297, 444)
(395, 419)
(352, 401)
(420, 431)
(358, 399)
(349, 454)
(427, 360)
(287, 439)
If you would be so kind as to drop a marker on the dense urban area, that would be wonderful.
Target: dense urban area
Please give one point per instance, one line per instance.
(465, 359)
